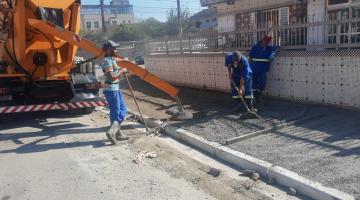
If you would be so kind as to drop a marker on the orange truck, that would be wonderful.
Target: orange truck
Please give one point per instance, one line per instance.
(38, 70)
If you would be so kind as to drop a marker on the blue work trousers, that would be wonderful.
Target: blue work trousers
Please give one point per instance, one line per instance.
(117, 106)
(259, 81)
(248, 91)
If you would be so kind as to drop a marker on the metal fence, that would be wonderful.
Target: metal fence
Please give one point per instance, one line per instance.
(338, 34)
(132, 49)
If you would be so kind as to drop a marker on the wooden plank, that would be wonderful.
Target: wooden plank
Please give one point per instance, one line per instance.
(268, 130)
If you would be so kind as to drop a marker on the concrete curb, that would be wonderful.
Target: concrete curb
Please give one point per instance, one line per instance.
(280, 175)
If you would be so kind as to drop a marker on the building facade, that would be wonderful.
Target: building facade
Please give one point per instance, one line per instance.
(118, 12)
(257, 15)
(204, 20)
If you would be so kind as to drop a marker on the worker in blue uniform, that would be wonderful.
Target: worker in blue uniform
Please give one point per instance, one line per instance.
(240, 73)
(261, 56)
(114, 97)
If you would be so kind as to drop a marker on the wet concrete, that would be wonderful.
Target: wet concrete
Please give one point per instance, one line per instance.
(325, 148)
(226, 122)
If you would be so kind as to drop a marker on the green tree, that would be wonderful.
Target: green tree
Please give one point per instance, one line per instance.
(123, 32)
(173, 22)
(150, 28)
(96, 36)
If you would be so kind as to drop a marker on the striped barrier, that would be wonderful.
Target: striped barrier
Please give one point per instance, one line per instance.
(54, 106)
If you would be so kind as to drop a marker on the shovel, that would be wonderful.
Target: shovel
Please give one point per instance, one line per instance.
(136, 102)
(249, 113)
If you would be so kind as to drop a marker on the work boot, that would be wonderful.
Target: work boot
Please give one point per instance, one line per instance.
(120, 136)
(110, 134)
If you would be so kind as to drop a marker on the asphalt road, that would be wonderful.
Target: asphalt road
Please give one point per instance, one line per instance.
(57, 155)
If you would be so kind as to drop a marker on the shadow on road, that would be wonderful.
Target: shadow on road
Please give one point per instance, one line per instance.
(45, 131)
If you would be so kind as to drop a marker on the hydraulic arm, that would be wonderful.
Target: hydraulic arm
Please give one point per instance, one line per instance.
(70, 37)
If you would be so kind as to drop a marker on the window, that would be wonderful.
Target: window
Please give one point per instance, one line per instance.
(124, 22)
(230, 2)
(355, 12)
(267, 19)
(52, 15)
(214, 20)
(88, 25)
(207, 21)
(264, 20)
(107, 23)
(114, 22)
(198, 24)
(96, 24)
(345, 31)
(337, 2)
(129, 22)
(355, 26)
(342, 29)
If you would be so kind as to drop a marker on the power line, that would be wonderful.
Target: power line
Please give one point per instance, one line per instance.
(180, 25)
(102, 16)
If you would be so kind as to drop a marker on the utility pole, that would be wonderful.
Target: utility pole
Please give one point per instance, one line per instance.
(102, 16)
(180, 25)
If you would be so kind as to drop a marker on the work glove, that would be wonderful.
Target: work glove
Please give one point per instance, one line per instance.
(272, 57)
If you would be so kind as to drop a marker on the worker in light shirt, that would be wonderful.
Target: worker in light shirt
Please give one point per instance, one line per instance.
(114, 97)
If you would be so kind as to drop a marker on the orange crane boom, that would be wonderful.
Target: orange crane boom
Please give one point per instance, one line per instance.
(51, 29)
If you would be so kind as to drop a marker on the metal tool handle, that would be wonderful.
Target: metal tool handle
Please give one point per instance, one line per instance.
(136, 102)
(241, 97)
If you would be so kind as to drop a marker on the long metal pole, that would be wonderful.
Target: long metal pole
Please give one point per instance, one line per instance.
(180, 25)
(136, 102)
(103, 24)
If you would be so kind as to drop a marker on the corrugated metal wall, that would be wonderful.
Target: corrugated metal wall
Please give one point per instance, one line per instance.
(317, 77)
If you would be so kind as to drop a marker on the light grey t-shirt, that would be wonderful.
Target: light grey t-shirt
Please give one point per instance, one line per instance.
(110, 83)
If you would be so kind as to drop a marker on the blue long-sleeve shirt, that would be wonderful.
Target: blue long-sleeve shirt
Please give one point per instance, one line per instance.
(262, 57)
(241, 71)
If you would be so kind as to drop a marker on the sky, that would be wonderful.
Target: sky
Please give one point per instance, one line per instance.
(158, 9)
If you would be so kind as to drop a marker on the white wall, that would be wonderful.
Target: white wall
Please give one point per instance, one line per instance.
(226, 23)
(317, 77)
(201, 71)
